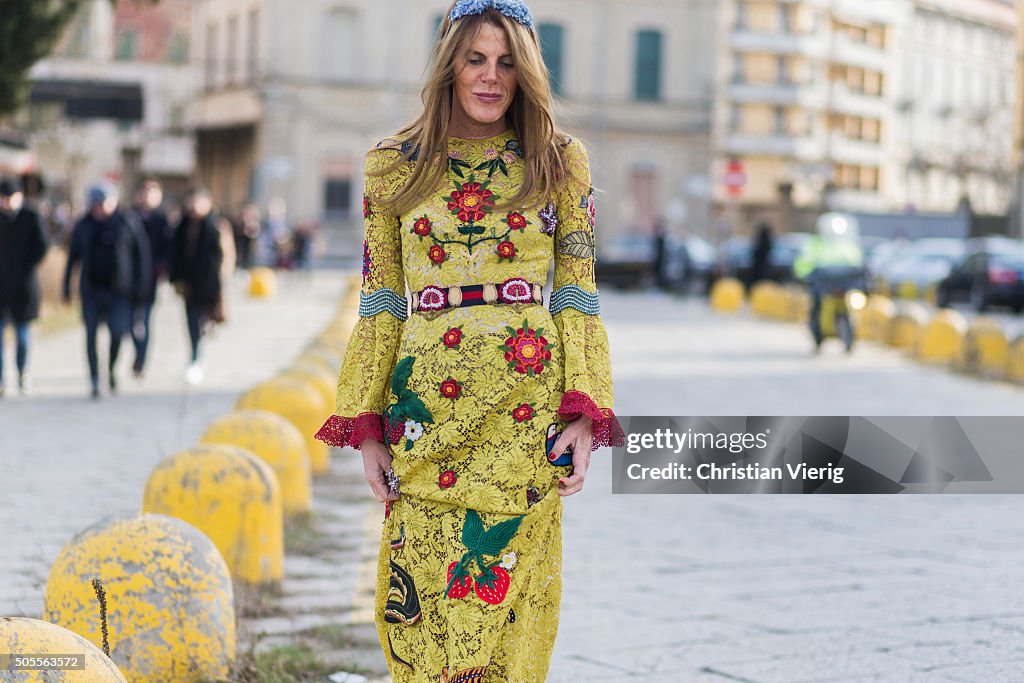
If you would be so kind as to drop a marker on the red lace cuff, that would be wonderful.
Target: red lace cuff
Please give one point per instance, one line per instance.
(607, 430)
(351, 431)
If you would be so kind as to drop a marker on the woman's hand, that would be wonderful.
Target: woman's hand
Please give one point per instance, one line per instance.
(376, 462)
(580, 435)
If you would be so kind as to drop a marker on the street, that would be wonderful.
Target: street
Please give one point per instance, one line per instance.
(774, 589)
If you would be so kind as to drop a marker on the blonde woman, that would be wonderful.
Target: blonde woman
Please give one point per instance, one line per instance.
(476, 407)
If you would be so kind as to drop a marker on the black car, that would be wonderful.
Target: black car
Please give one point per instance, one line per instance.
(991, 274)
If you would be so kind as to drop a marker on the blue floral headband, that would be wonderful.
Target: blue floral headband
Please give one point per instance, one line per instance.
(513, 9)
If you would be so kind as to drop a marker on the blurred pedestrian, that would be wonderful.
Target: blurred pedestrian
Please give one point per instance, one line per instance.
(111, 251)
(149, 197)
(660, 255)
(196, 258)
(247, 231)
(760, 262)
(23, 245)
(302, 245)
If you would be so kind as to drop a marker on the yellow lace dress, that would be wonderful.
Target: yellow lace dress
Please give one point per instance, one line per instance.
(458, 365)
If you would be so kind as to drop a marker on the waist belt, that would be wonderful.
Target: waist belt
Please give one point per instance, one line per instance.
(512, 291)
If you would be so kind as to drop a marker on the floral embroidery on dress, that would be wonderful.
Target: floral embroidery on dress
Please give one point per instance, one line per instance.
(523, 412)
(367, 261)
(506, 250)
(549, 217)
(472, 201)
(447, 479)
(403, 605)
(407, 408)
(452, 338)
(437, 255)
(515, 290)
(492, 583)
(366, 207)
(451, 388)
(422, 227)
(527, 351)
(579, 244)
(433, 298)
(516, 220)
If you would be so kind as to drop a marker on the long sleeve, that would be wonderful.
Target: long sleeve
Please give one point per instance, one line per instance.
(373, 346)
(574, 304)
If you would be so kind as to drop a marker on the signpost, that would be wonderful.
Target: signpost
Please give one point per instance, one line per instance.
(735, 178)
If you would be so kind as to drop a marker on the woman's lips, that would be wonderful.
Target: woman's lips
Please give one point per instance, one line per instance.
(489, 99)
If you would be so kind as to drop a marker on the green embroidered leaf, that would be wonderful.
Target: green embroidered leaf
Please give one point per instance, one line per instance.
(478, 229)
(540, 331)
(503, 167)
(408, 444)
(400, 377)
(465, 229)
(472, 530)
(416, 410)
(510, 330)
(494, 540)
(579, 244)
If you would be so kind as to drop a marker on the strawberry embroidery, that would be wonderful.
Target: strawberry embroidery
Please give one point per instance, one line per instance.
(492, 582)
(407, 415)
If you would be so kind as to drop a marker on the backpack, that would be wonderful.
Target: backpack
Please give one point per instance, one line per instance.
(103, 255)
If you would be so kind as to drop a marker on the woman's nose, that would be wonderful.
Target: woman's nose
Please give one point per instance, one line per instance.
(491, 73)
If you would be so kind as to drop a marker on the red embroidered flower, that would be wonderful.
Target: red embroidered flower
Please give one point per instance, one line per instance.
(515, 220)
(447, 479)
(471, 203)
(526, 350)
(451, 388)
(591, 209)
(523, 413)
(452, 338)
(506, 250)
(366, 206)
(438, 255)
(422, 227)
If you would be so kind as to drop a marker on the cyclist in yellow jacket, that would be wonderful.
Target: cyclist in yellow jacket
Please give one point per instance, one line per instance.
(832, 254)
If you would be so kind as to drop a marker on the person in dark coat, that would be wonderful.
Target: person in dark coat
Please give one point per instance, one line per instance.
(111, 251)
(148, 198)
(760, 268)
(196, 258)
(23, 245)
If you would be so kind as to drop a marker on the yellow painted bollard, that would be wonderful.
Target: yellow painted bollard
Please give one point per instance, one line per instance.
(877, 317)
(323, 382)
(727, 295)
(798, 305)
(907, 290)
(299, 404)
(262, 283)
(1015, 362)
(906, 326)
(942, 339)
(985, 350)
(764, 297)
(20, 635)
(277, 442)
(234, 498)
(169, 600)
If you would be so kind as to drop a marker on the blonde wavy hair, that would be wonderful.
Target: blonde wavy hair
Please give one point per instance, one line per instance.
(529, 115)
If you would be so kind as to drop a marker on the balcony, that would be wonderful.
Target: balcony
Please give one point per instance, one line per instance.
(227, 108)
(805, 95)
(791, 146)
(745, 40)
(855, 152)
(854, 103)
(850, 52)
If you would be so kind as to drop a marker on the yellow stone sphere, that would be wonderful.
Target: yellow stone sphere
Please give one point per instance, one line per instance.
(301, 405)
(727, 295)
(1015, 362)
(262, 283)
(878, 314)
(277, 442)
(30, 636)
(170, 605)
(986, 350)
(764, 296)
(234, 498)
(906, 326)
(942, 339)
(324, 382)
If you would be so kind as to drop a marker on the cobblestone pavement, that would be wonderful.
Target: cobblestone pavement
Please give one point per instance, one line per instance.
(657, 588)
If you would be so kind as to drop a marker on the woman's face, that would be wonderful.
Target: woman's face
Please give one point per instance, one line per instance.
(485, 83)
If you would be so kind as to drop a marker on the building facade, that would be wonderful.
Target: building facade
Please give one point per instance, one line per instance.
(876, 105)
(111, 101)
(295, 93)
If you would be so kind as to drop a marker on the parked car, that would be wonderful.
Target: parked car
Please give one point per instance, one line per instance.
(689, 264)
(914, 267)
(627, 261)
(735, 257)
(990, 274)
